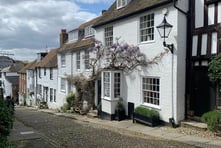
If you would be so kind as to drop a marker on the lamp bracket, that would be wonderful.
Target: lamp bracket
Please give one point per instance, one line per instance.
(169, 46)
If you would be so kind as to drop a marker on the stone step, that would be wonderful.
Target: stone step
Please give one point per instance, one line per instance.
(92, 114)
(194, 124)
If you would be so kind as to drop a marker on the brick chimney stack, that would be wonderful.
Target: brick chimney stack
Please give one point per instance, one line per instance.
(63, 37)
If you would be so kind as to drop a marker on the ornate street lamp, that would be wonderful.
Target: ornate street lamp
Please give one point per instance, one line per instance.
(164, 30)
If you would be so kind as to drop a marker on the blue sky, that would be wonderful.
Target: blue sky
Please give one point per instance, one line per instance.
(96, 7)
(29, 26)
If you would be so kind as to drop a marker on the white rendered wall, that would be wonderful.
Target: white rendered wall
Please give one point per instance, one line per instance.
(172, 82)
(63, 72)
(45, 81)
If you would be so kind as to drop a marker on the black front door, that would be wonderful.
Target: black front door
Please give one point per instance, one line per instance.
(201, 91)
(98, 91)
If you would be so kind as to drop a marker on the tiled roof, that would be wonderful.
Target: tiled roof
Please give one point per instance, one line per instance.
(82, 43)
(91, 22)
(134, 7)
(32, 65)
(13, 79)
(78, 45)
(23, 70)
(50, 60)
(16, 67)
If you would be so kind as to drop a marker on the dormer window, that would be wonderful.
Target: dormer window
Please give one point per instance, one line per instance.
(73, 35)
(89, 31)
(122, 3)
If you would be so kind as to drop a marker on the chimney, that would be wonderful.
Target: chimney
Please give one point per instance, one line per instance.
(63, 37)
(103, 11)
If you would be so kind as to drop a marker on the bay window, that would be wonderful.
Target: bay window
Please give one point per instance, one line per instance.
(111, 84)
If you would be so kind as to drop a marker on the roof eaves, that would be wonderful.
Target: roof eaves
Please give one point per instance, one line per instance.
(133, 13)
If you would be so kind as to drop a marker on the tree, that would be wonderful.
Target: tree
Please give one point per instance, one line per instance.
(214, 70)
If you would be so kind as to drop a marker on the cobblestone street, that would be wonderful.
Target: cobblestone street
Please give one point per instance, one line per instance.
(55, 131)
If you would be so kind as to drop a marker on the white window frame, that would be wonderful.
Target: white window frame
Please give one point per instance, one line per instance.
(108, 35)
(121, 3)
(147, 28)
(151, 91)
(63, 85)
(89, 31)
(63, 60)
(117, 84)
(78, 60)
(73, 36)
(86, 60)
(107, 84)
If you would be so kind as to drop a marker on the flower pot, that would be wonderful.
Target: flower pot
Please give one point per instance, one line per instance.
(119, 115)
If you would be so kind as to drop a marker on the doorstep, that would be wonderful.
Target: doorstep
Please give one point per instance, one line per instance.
(194, 124)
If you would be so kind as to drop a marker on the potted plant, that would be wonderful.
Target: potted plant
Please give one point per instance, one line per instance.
(119, 111)
(146, 115)
(99, 109)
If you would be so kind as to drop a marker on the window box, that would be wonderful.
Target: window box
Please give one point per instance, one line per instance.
(146, 116)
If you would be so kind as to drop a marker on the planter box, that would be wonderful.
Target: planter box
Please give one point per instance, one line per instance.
(151, 121)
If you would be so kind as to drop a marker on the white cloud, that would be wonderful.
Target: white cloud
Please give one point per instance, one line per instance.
(94, 1)
(30, 25)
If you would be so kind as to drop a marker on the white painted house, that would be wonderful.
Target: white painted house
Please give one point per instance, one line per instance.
(159, 86)
(30, 84)
(33, 97)
(47, 80)
(73, 56)
(10, 82)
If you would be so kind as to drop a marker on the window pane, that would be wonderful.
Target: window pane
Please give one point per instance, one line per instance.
(116, 85)
(151, 90)
(147, 28)
(108, 36)
(86, 60)
(78, 60)
(106, 81)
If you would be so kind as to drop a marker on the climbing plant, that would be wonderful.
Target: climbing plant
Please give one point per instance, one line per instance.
(118, 56)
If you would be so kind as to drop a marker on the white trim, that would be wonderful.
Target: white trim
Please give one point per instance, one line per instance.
(152, 106)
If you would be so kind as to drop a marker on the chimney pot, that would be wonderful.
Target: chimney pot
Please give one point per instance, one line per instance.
(63, 37)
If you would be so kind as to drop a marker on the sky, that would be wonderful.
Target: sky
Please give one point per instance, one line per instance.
(31, 26)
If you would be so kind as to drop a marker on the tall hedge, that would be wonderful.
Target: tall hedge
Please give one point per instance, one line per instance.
(6, 120)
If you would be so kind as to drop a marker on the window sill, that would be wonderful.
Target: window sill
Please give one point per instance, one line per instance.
(152, 106)
(63, 91)
(110, 99)
(147, 42)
